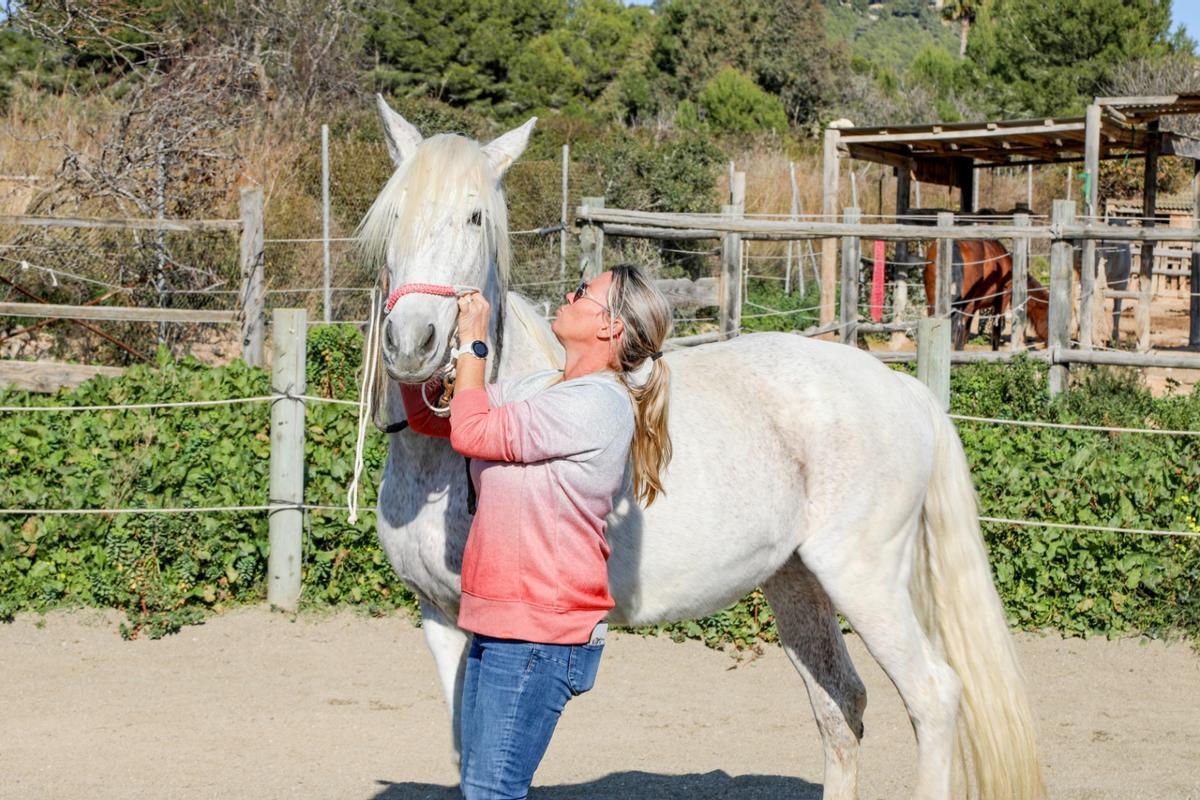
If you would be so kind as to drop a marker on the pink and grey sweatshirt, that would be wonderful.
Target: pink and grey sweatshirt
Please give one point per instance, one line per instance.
(548, 458)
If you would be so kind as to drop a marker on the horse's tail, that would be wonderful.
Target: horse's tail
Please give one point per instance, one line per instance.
(953, 592)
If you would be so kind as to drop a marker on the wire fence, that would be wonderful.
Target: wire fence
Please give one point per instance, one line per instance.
(274, 506)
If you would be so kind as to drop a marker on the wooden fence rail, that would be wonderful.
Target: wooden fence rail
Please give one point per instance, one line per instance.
(251, 300)
(1064, 234)
(712, 227)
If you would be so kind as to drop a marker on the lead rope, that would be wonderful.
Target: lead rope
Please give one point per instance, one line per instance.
(365, 408)
(366, 390)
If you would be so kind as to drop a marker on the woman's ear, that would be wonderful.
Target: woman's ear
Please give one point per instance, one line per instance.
(612, 331)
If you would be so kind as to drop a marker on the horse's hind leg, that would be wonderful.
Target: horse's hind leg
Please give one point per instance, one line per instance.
(808, 629)
(867, 580)
(448, 643)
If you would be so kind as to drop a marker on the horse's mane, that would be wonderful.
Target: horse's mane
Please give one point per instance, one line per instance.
(449, 178)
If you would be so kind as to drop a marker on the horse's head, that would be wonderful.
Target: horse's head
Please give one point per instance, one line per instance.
(441, 219)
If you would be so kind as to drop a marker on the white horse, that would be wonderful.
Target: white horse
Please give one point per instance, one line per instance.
(800, 466)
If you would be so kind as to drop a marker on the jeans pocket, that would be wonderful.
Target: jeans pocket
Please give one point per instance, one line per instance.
(585, 664)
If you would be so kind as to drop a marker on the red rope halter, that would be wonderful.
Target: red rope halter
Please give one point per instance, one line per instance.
(417, 288)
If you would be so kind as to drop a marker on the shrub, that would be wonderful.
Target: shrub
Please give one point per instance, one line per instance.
(170, 570)
(733, 102)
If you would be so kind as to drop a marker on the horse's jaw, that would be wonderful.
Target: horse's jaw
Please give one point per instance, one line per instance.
(417, 376)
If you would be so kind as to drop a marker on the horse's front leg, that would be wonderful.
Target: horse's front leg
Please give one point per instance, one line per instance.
(448, 642)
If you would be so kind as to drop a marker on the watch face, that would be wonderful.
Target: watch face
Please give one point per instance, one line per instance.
(479, 348)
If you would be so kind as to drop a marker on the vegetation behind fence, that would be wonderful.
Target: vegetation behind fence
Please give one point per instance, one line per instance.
(170, 570)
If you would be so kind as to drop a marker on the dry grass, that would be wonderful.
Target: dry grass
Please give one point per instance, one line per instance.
(33, 133)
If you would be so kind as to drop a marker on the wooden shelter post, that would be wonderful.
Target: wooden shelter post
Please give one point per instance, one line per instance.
(900, 287)
(1020, 285)
(1087, 263)
(966, 188)
(1194, 282)
(1149, 208)
(829, 204)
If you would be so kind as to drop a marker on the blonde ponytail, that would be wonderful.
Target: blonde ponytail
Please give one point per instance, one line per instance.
(646, 318)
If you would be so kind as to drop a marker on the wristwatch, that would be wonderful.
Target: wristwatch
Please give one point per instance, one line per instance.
(477, 348)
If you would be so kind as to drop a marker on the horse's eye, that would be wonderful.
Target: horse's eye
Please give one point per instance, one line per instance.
(476, 218)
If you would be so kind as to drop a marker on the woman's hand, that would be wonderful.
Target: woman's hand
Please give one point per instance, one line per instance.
(473, 314)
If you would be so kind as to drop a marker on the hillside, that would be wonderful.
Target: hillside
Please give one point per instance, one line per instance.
(888, 35)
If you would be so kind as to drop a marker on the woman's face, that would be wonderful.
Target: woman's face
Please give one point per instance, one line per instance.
(583, 319)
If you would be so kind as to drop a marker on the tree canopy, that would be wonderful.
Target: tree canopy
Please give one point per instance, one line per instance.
(599, 60)
(1050, 57)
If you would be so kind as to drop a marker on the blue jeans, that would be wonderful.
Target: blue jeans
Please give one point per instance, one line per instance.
(513, 694)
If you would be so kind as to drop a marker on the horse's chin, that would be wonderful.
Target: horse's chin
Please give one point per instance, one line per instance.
(410, 377)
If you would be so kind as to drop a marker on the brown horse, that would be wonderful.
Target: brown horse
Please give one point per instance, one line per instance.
(982, 281)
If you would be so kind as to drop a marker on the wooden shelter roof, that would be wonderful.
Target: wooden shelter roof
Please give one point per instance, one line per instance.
(938, 152)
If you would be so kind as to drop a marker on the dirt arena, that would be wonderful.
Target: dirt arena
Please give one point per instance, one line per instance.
(256, 705)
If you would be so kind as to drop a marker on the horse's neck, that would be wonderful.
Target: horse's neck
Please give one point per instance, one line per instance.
(529, 344)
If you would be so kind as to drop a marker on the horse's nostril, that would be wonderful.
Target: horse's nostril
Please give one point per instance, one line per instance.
(428, 344)
(389, 337)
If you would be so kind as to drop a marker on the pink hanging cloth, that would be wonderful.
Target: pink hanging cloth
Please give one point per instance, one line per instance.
(877, 284)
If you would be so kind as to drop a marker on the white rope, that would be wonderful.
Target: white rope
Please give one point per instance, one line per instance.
(364, 410)
(139, 406)
(1071, 426)
(185, 403)
(170, 510)
(333, 400)
(179, 510)
(1076, 527)
(776, 312)
(353, 510)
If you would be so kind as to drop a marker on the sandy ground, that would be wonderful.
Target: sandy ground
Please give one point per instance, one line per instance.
(256, 705)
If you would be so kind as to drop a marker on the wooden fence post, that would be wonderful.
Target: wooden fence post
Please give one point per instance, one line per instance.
(1020, 286)
(591, 243)
(944, 288)
(829, 204)
(1149, 220)
(253, 292)
(903, 265)
(289, 335)
(1061, 258)
(933, 357)
(851, 266)
(326, 262)
(1087, 264)
(730, 285)
(1194, 277)
(562, 234)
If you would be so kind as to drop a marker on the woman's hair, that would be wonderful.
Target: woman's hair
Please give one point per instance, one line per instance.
(646, 317)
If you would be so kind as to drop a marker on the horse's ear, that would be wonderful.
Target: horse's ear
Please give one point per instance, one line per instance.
(504, 150)
(402, 137)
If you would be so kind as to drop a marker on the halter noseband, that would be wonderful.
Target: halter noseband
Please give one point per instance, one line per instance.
(446, 290)
(437, 289)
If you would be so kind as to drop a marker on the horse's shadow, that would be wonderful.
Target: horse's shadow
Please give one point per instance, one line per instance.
(705, 786)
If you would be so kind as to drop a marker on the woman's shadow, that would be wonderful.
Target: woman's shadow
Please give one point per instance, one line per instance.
(622, 785)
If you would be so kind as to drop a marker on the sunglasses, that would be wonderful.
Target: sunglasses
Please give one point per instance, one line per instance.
(581, 292)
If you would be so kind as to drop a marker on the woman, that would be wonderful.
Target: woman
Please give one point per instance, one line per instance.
(549, 453)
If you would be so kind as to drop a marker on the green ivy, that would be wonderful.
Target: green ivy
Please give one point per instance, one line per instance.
(166, 571)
